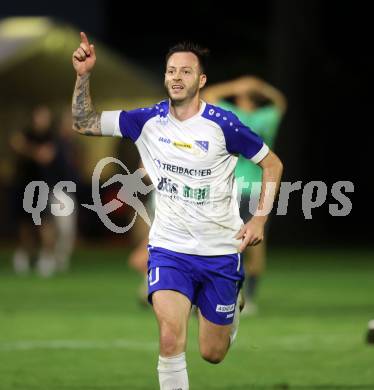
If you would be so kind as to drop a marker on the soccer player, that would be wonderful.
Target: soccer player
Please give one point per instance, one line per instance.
(189, 149)
(261, 107)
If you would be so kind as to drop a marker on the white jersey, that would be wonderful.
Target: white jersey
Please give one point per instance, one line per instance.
(191, 164)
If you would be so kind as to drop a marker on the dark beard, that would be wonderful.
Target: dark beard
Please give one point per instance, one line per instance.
(191, 93)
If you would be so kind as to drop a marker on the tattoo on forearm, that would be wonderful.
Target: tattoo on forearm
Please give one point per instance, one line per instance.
(85, 119)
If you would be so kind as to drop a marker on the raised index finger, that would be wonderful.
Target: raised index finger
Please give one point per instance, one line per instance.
(84, 38)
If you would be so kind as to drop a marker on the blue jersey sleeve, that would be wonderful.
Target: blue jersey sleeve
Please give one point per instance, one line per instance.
(132, 122)
(240, 139)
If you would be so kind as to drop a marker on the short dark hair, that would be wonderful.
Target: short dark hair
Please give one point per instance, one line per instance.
(200, 52)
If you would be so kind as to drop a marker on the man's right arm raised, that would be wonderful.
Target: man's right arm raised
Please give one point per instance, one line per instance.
(85, 119)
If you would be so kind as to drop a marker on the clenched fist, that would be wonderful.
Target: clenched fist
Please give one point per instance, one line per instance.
(84, 57)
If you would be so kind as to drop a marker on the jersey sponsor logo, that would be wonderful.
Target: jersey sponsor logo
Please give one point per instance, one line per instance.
(201, 193)
(182, 145)
(157, 162)
(164, 140)
(197, 196)
(182, 170)
(225, 308)
(167, 185)
(230, 315)
(203, 145)
(197, 147)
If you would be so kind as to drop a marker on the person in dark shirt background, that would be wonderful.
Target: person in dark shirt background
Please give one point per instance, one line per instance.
(42, 157)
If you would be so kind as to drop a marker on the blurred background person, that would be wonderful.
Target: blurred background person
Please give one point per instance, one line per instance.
(70, 156)
(41, 156)
(261, 107)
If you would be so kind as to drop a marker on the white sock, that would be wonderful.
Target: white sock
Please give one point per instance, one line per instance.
(172, 372)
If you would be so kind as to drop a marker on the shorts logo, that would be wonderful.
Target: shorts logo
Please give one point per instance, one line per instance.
(157, 276)
(225, 308)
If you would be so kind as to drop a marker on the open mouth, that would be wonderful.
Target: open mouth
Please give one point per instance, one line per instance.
(177, 87)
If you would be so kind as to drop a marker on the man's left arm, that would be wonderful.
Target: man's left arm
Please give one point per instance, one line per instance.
(252, 232)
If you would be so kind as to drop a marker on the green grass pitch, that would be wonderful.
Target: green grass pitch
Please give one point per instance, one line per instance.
(85, 330)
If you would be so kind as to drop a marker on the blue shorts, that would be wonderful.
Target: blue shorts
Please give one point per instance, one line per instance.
(212, 283)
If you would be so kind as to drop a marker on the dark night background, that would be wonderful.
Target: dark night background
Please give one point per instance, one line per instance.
(318, 53)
